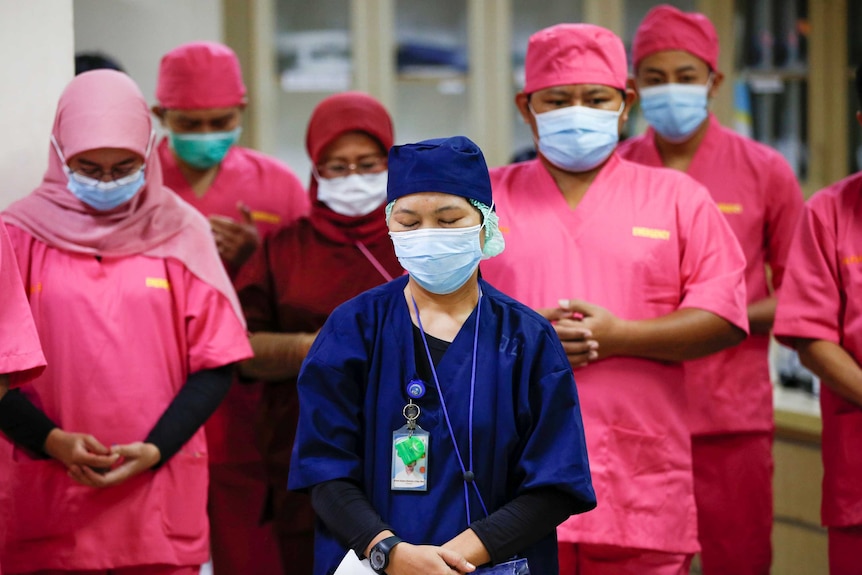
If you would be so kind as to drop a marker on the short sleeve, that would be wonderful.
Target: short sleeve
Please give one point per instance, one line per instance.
(712, 262)
(555, 451)
(215, 335)
(20, 350)
(809, 303)
(330, 386)
(784, 203)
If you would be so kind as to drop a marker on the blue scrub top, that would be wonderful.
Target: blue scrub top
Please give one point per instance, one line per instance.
(527, 427)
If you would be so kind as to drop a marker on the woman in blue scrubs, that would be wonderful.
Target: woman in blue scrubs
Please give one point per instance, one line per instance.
(440, 373)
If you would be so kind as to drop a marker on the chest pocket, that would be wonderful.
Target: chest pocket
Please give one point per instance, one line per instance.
(655, 260)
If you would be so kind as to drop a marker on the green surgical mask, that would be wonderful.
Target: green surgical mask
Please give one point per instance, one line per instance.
(203, 151)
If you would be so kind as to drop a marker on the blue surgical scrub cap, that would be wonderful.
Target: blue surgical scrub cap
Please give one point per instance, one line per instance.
(449, 165)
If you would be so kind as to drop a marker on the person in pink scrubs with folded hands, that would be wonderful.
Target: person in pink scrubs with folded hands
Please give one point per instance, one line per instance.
(730, 393)
(639, 272)
(21, 355)
(140, 326)
(246, 195)
(820, 314)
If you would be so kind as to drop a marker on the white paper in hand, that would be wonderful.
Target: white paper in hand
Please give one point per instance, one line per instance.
(351, 565)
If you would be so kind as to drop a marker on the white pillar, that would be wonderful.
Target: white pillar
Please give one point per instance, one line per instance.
(37, 44)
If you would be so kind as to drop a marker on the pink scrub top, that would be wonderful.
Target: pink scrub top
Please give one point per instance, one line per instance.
(756, 190)
(276, 198)
(822, 299)
(20, 351)
(121, 337)
(643, 243)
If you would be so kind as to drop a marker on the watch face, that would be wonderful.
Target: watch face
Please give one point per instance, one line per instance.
(377, 559)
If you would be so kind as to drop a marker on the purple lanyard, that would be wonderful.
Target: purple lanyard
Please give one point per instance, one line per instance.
(374, 261)
(467, 474)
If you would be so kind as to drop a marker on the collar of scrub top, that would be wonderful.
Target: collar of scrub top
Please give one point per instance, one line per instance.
(466, 471)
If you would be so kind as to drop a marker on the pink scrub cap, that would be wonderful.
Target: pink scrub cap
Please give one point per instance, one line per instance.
(575, 54)
(668, 28)
(200, 75)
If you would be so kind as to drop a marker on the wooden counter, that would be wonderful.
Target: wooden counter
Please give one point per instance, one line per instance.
(799, 542)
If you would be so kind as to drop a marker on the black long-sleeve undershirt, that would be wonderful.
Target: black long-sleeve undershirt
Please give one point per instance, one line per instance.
(28, 426)
(345, 510)
(188, 411)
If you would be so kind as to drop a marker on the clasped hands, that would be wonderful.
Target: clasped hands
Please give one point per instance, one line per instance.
(92, 464)
(407, 559)
(588, 332)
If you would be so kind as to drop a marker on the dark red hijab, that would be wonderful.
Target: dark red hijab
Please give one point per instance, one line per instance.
(334, 116)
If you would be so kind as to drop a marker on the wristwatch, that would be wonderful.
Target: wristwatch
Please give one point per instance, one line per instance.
(379, 556)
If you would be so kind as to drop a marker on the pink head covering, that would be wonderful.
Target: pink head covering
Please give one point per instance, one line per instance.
(105, 109)
(200, 75)
(575, 54)
(668, 28)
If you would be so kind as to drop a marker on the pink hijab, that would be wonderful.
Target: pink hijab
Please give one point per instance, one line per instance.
(105, 109)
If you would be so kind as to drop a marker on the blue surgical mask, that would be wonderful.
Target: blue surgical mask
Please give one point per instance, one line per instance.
(104, 196)
(577, 138)
(441, 260)
(101, 195)
(675, 111)
(203, 151)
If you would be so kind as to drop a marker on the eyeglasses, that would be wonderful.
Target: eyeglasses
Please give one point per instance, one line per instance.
(116, 173)
(340, 169)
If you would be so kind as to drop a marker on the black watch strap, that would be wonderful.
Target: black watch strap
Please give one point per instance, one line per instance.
(379, 556)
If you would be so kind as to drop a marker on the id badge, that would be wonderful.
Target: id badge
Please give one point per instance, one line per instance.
(410, 459)
(513, 567)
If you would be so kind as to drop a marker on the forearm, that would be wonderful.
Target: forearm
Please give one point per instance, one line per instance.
(277, 356)
(196, 401)
(468, 545)
(517, 525)
(835, 367)
(682, 335)
(761, 315)
(345, 510)
(23, 422)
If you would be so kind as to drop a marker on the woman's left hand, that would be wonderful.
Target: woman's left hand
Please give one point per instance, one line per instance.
(135, 458)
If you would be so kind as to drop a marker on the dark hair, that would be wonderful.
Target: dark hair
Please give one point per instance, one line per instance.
(859, 86)
(86, 61)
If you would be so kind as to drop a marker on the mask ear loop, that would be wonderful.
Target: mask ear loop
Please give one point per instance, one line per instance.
(150, 143)
(316, 174)
(58, 150)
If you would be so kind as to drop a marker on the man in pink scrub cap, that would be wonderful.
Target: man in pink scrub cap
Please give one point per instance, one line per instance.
(820, 314)
(730, 393)
(140, 326)
(639, 271)
(21, 355)
(246, 195)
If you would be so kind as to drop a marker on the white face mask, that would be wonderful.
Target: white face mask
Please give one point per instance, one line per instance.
(354, 195)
